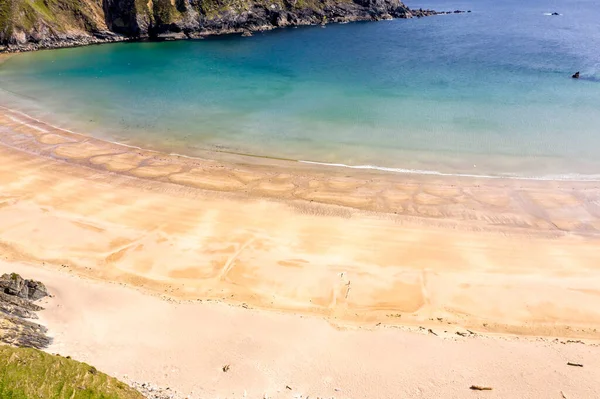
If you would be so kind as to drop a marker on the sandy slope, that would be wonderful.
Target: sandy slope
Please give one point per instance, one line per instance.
(185, 346)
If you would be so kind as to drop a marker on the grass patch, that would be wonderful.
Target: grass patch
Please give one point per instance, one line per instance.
(57, 15)
(41, 7)
(30, 373)
(6, 19)
(164, 12)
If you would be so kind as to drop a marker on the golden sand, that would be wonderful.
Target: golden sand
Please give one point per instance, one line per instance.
(494, 255)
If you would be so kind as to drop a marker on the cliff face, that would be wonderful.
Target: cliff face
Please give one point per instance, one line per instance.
(35, 21)
(33, 24)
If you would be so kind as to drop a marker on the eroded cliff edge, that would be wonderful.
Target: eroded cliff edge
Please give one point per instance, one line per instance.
(36, 24)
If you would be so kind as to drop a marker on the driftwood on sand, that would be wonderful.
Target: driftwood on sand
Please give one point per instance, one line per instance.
(480, 388)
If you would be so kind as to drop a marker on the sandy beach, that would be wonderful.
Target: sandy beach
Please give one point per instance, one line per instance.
(184, 346)
(357, 254)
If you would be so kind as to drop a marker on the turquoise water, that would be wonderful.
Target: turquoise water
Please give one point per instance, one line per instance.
(482, 93)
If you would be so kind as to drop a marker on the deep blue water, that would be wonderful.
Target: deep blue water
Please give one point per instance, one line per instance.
(487, 92)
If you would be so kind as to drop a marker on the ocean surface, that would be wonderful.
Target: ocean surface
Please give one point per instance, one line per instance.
(483, 93)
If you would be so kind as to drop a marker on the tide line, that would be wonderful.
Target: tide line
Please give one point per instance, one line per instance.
(572, 177)
(575, 177)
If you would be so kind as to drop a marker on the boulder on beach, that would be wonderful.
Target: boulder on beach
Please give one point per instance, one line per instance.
(14, 284)
(17, 309)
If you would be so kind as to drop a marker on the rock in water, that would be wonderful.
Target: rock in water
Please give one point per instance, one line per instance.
(576, 75)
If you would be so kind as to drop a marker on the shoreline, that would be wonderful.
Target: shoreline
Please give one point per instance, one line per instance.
(241, 158)
(569, 177)
(286, 180)
(70, 42)
(360, 249)
(82, 41)
(4, 57)
(108, 37)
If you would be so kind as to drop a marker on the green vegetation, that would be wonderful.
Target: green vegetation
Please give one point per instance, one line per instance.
(58, 15)
(27, 373)
(212, 8)
(164, 12)
(34, 21)
(141, 8)
(40, 7)
(6, 12)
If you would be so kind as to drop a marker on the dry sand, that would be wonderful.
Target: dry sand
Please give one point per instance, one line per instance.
(357, 249)
(184, 346)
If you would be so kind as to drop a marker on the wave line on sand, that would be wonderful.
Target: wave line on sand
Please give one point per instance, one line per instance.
(564, 177)
(573, 177)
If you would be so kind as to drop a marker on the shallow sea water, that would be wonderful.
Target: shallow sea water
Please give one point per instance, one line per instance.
(483, 93)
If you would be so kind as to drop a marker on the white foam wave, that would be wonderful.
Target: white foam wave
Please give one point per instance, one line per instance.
(575, 177)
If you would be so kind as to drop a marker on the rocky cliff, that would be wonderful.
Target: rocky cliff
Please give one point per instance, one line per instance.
(34, 24)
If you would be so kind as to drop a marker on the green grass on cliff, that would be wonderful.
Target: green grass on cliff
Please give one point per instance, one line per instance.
(212, 8)
(29, 373)
(164, 12)
(57, 15)
(6, 17)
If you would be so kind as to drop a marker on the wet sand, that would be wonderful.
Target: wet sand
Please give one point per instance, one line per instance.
(335, 283)
(496, 256)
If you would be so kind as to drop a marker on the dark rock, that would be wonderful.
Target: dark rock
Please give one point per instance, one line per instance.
(37, 290)
(19, 307)
(13, 284)
(555, 13)
(19, 332)
(16, 305)
(105, 35)
(576, 75)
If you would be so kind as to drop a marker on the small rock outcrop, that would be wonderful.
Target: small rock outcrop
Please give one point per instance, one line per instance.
(13, 284)
(17, 309)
